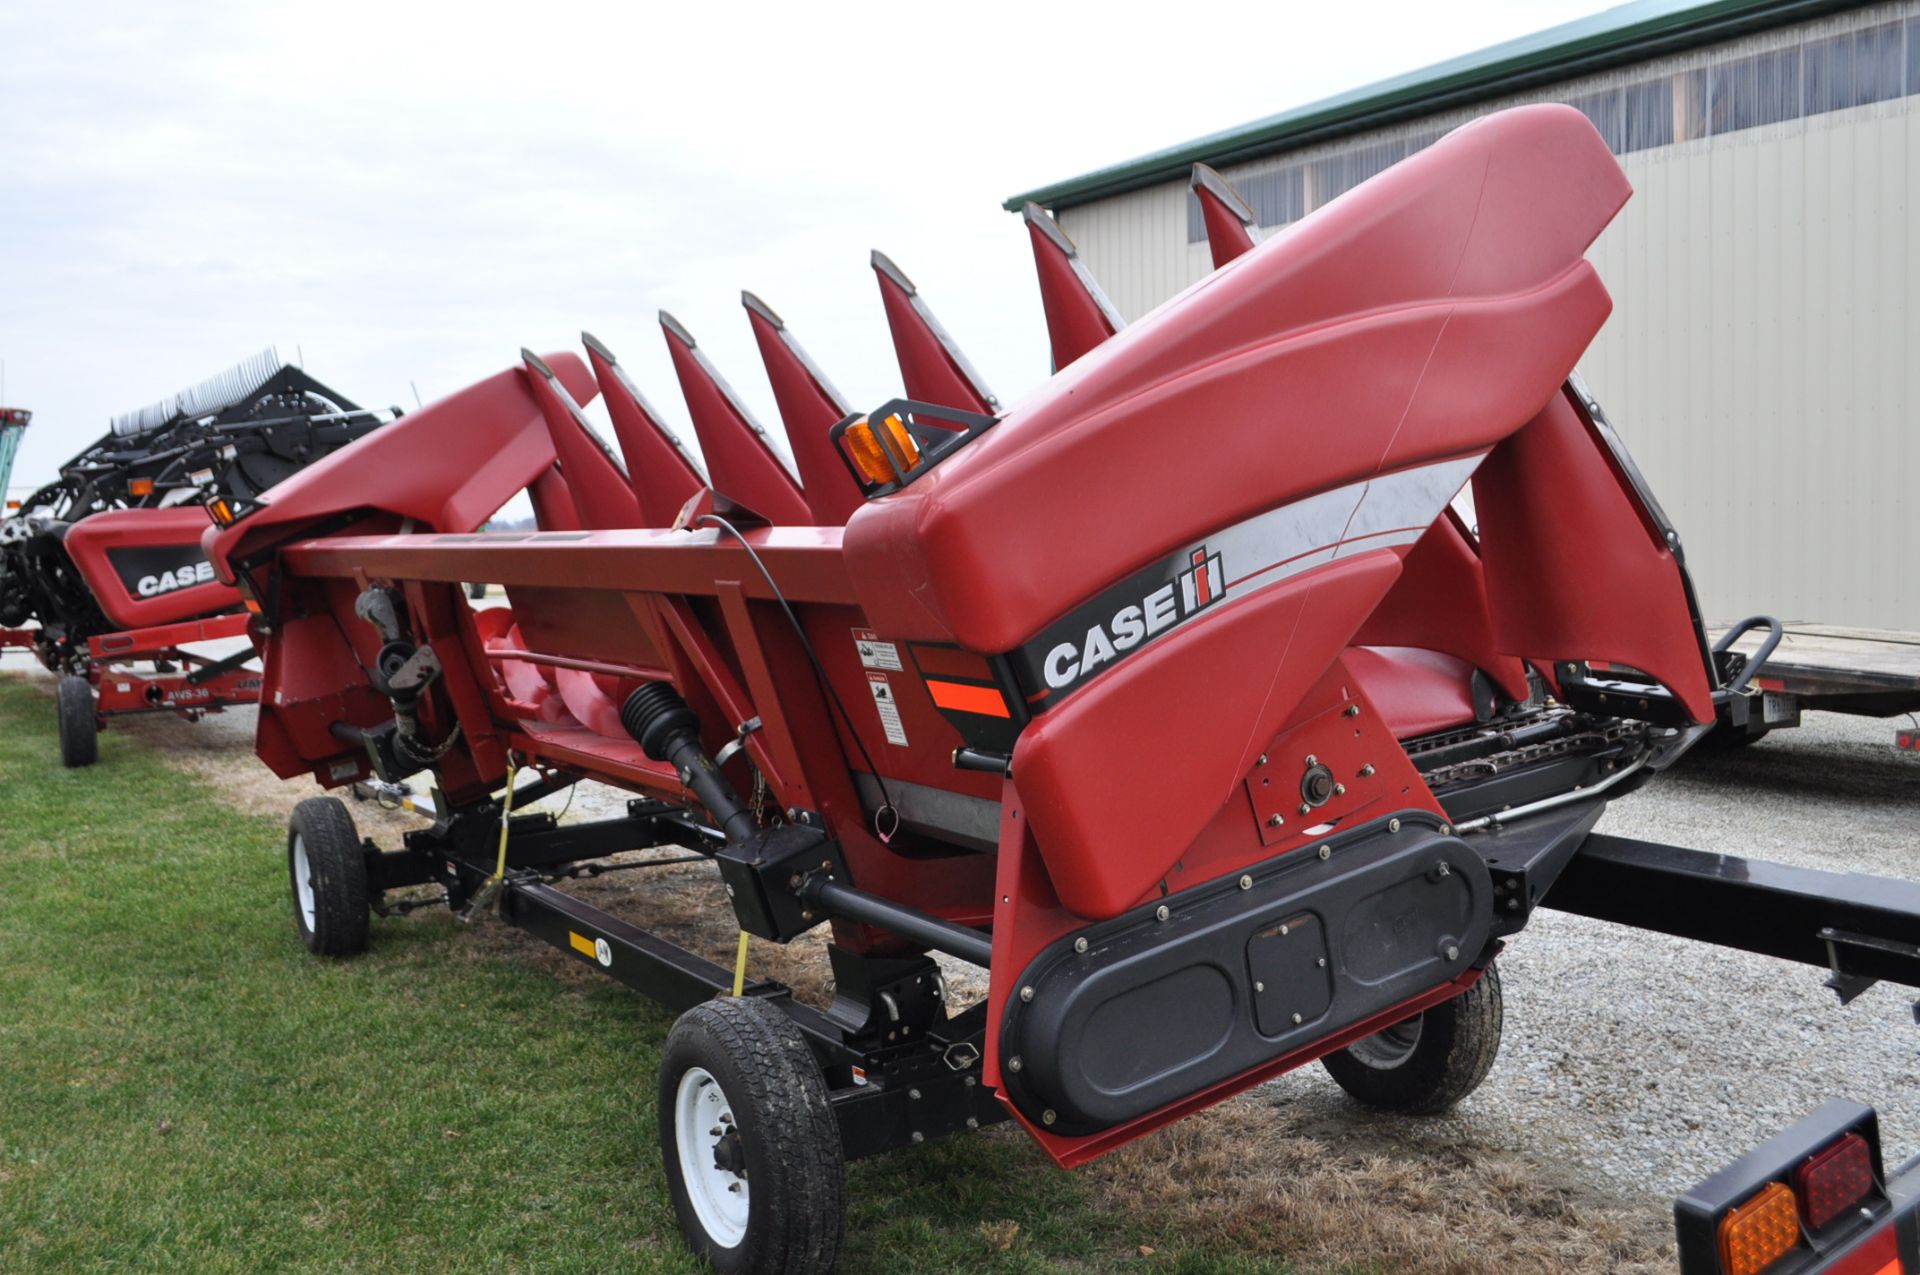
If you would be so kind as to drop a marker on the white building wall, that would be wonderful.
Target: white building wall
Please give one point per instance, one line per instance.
(1761, 361)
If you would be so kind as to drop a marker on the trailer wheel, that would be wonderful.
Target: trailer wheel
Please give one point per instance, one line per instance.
(79, 724)
(328, 870)
(1429, 1062)
(752, 1150)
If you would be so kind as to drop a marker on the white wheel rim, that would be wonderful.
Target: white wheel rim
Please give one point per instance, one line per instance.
(1389, 1047)
(302, 882)
(702, 1120)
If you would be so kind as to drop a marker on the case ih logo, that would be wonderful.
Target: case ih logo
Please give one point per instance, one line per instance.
(152, 586)
(152, 571)
(1199, 586)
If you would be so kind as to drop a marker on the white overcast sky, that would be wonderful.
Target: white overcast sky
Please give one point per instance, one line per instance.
(410, 192)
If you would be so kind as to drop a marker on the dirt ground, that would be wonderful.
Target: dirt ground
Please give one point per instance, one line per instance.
(1284, 1171)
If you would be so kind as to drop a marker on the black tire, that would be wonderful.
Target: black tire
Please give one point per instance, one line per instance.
(778, 1127)
(331, 911)
(79, 723)
(1430, 1062)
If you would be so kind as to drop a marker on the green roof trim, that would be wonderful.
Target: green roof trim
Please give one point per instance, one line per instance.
(1628, 33)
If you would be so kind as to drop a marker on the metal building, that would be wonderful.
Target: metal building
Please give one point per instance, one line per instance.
(1762, 356)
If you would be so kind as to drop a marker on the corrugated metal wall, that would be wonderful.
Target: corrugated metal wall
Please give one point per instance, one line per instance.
(1761, 359)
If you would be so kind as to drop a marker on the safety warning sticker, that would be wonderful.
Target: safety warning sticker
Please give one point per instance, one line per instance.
(889, 711)
(874, 653)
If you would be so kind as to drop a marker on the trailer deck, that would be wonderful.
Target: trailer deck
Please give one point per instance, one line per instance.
(1837, 669)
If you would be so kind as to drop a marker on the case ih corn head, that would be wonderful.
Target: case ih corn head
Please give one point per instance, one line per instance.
(106, 562)
(1175, 697)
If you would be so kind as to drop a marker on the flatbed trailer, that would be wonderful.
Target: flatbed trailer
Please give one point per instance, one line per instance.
(1835, 669)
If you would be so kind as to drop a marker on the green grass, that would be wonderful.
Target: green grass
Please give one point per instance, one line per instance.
(183, 1088)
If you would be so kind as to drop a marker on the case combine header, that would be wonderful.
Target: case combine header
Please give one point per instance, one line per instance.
(102, 568)
(1177, 697)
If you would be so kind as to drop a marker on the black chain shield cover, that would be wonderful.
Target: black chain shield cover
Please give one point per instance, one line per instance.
(1154, 1011)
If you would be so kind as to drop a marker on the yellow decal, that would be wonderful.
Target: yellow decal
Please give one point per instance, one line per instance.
(581, 943)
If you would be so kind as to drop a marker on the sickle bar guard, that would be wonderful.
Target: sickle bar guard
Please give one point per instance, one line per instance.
(1177, 695)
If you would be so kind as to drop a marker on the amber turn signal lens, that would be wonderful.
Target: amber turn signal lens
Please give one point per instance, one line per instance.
(139, 488)
(222, 513)
(870, 454)
(1755, 1235)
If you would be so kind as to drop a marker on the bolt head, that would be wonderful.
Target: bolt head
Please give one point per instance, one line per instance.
(913, 1093)
(972, 1123)
(1339, 790)
(1013, 1063)
(1322, 962)
(793, 812)
(919, 1137)
(1326, 852)
(1262, 761)
(1026, 993)
(1305, 809)
(1297, 1020)
(1079, 945)
(1393, 825)
(1353, 710)
(1047, 1116)
(1312, 760)
(1366, 771)
(1446, 830)
(1274, 821)
(1162, 912)
(1453, 952)
(1259, 987)
(1246, 883)
(1285, 930)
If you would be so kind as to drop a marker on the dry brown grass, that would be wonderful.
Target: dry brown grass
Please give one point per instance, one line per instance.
(1261, 1176)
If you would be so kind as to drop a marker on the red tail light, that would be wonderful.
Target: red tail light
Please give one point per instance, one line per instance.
(1833, 1180)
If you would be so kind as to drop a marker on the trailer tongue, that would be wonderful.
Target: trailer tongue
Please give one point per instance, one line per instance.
(1175, 696)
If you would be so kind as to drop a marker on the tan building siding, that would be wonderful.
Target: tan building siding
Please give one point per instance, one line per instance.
(1761, 357)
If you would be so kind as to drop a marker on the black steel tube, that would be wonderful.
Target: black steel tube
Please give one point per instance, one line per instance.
(700, 774)
(1869, 925)
(928, 931)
